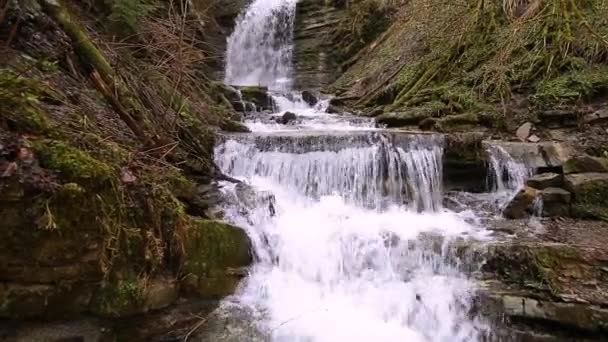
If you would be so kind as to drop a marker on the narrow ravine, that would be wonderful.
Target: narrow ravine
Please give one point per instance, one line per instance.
(356, 246)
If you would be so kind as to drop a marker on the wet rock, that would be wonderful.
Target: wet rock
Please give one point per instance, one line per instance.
(401, 119)
(524, 131)
(590, 194)
(545, 180)
(252, 199)
(542, 155)
(234, 126)
(309, 98)
(212, 250)
(519, 205)
(334, 109)
(287, 118)
(585, 163)
(556, 202)
(258, 96)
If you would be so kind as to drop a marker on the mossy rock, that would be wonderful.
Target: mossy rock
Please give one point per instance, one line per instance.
(212, 246)
(212, 249)
(128, 297)
(582, 164)
(71, 163)
(20, 97)
(118, 299)
(590, 192)
(402, 119)
(458, 121)
(257, 95)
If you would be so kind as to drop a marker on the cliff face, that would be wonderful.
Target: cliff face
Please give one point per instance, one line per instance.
(328, 34)
(107, 121)
(313, 65)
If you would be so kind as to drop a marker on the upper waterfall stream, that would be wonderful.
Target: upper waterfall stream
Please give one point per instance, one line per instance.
(357, 247)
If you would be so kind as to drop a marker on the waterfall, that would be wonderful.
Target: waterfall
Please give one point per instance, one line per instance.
(507, 175)
(357, 245)
(260, 48)
(371, 176)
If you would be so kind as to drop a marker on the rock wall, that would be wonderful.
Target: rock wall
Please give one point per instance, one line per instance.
(313, 67)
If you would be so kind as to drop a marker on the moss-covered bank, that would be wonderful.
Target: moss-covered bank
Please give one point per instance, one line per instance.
(505, 58)
(104, 171)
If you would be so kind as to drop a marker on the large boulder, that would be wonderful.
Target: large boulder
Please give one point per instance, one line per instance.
(545, 180)
(590, 192)
(585, 163)
(214, 253)
(519, 205)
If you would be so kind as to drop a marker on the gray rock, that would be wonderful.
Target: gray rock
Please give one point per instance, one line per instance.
(585, 163)
(557, 195)
(524, 131)
(545, 180)
(536, 155)
(556, 202)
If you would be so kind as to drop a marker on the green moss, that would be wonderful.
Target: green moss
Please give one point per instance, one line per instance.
(72, 163)
(20, 98)
(212, 246)
(452, 121)
(119, 299)
(571, 87)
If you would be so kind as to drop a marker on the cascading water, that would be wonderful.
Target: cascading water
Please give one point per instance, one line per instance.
(259, 49)
(356, 247)
(371, 176)
(508, 175)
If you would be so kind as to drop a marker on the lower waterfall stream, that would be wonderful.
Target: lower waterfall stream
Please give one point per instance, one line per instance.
(357, 246)
(351, 236)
